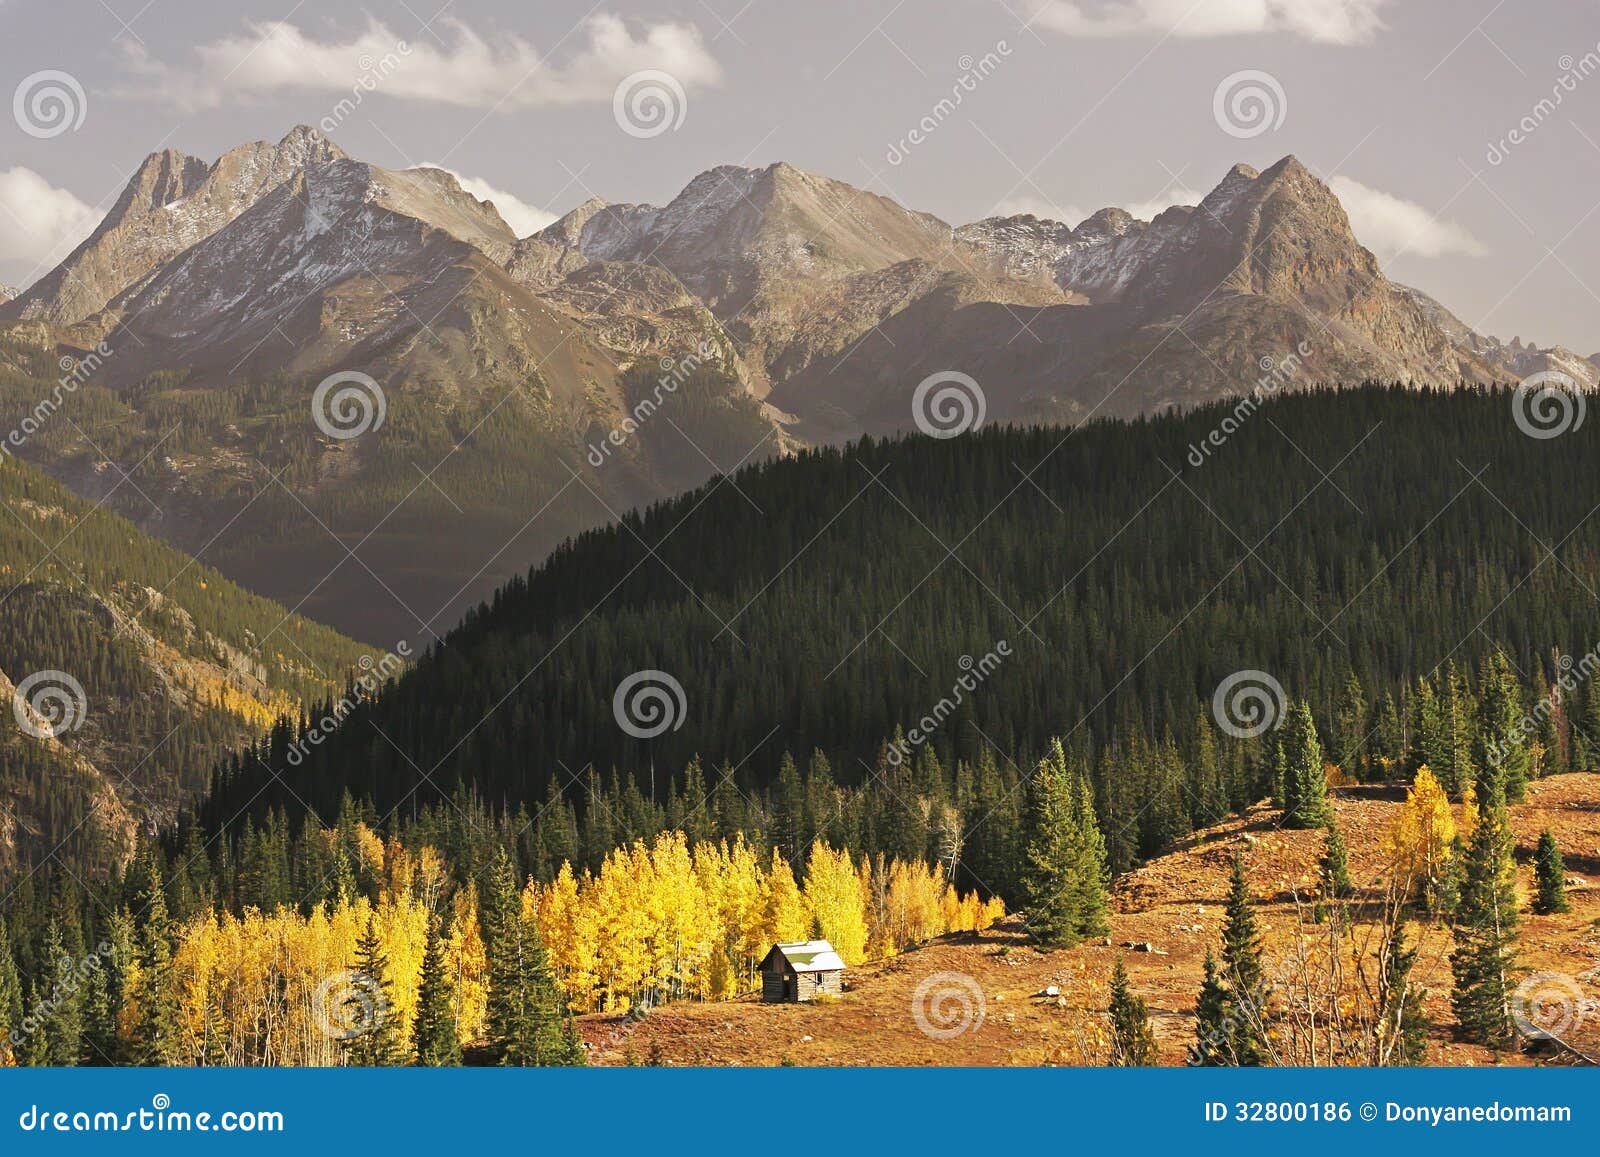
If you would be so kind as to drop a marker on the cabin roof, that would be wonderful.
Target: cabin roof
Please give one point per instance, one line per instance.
(809, 956)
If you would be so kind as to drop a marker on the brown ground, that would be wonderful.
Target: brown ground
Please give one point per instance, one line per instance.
(1173, 904)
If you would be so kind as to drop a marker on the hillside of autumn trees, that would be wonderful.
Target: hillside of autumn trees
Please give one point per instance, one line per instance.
(396, 955)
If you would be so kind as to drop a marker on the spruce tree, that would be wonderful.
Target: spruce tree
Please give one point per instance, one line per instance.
(527, 1018)
(1484, 959)
(369, 1006)
(1336, 863)
(1242, 972)
(434, 1036)
(1551, 874)
(156, 1032)
(1211, 1029)
(1133, 1041)
(1065, 874)
(1305, 803)
(1404, 1032)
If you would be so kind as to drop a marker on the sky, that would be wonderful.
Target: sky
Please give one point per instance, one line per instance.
(1463, 136)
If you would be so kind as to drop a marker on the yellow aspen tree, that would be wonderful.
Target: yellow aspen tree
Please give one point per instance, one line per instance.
(568, 935)
(1418, 846)
(833, 893)
(468, 964)
(784, 917)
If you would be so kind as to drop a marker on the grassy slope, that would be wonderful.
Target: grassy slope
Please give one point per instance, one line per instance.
(1160, 904)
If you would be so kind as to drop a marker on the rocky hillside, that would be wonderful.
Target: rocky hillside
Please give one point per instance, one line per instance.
(126, 670)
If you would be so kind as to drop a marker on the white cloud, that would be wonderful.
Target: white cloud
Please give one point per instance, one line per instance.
(521, 216)
(1323, 21)
(1040, 207)
(1166, 199)
(469, 72)
(39, 223)
(1391, 226)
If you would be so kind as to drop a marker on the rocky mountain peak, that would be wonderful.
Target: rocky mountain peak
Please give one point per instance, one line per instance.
(173, 201)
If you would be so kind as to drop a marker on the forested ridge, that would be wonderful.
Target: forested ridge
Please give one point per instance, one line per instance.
(824, 603)
(176, 665)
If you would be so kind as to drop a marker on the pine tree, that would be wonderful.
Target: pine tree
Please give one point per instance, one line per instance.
(369, 1006)
(1065, 874)
(1501, 744)
(60, 1035)
(1305, 777)
(1404, 1033)
(1485, 932)
(156, 1033)
(1551, 874)
(434, 1036)
(1133, 1041)
(1336, 863)
(1211, 1028)
(527, 1022)
(1242, 972)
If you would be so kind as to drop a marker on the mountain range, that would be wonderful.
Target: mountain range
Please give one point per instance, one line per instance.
(524, 389)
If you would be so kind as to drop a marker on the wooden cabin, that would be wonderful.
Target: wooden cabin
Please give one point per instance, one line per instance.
(792, 973)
